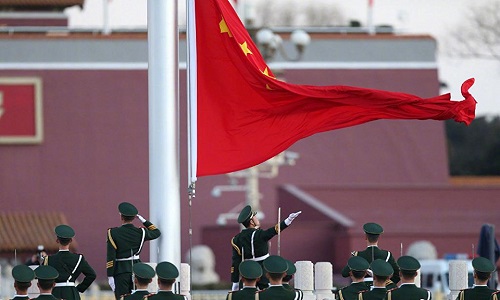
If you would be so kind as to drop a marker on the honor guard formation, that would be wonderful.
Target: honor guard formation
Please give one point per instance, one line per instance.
(255, 274)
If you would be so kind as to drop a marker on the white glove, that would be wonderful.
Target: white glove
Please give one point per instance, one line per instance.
(291, 217)
(235, 287)
(111, 281)
(141, 218)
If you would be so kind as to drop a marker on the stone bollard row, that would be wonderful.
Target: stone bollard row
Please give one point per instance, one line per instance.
(315, 281)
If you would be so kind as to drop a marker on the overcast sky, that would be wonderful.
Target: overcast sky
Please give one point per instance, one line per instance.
(435, 17)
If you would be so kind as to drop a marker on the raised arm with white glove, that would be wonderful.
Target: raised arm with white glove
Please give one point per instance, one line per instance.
(291, 217)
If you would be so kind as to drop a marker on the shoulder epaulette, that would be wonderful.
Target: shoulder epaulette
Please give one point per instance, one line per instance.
(148, 295)
(496, 292)
(392, 289)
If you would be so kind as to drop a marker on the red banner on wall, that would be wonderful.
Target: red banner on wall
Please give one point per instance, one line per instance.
(20, 110)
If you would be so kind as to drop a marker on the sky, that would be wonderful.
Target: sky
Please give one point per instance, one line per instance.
(435, 17)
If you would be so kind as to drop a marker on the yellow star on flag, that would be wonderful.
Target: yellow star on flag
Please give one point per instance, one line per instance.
(245, 49)
(266, 72)
(223, 27)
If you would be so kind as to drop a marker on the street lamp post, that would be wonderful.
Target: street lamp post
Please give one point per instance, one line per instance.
(268, 169)
(270, 42)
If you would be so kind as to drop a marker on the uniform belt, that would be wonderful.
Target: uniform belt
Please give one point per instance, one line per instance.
(135, 257)
(60, 284)
(259, 258)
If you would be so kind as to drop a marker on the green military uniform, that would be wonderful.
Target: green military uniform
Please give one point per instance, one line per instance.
(381, 269)
(49, 274)
(124, 244)
(479, 292)
(408, 291)
(248, 269)
(253, 244)
(136, 295)
(374, 252)
(246, 293)
(22, 274)
(166, 270)
(277, 264)
(352, 291)
(69, 266)
(141, 270)
(376, 293)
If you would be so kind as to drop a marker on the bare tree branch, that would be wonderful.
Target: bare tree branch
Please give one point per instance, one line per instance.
(478, 34)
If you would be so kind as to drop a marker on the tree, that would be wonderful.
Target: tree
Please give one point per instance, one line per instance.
(478, 34)
(297, 13)
(474, 150)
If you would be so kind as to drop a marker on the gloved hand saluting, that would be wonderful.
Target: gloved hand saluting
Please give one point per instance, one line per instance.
(235, 286)
(291, 217)
(141, 218)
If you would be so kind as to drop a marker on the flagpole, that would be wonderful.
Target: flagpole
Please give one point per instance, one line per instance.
(369, 22)
(192, 94)
(164, 194)
(105, 16)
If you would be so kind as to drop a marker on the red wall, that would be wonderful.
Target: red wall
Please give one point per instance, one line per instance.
(95, 154)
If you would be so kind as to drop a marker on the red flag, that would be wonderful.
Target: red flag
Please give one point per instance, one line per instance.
(246, 116)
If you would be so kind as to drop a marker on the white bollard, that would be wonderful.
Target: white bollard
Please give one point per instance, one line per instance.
(323, 280)
(153, 286)
(185, 280)
(458, 277)
(304, 279)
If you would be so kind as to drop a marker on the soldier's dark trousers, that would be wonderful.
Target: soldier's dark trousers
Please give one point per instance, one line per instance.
(66, 293)
(123, 284)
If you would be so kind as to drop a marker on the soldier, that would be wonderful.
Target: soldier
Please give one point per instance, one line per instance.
(482, 273)
(250, 272)
(124, 244)
(69, 266)
(275, 267)
(372, 251)
(407, 289)
(143, 275)
(23, 275)
(382, 270)
(167, 273)
(46, 276)
(289, 276)
(252, 242)
(357, 271)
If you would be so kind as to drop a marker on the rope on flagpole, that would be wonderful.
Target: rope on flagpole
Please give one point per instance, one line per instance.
(191, 195)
